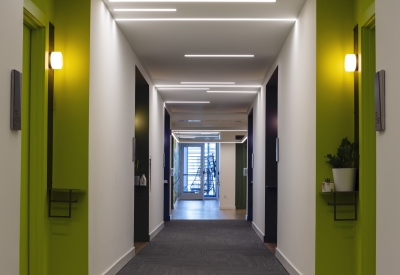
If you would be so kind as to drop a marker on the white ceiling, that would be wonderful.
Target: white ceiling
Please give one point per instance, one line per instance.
(161, 46)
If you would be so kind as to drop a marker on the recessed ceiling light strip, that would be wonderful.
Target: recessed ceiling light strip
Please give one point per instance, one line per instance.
(197, 1)
(207, 19)
(234, 92)
(187, 102)
(210, 83)
(145, 10)
(211, 86)
(208, 130)
(219, 55)
(172, 89)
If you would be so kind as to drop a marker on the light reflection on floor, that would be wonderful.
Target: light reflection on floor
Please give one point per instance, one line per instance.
(204, 210)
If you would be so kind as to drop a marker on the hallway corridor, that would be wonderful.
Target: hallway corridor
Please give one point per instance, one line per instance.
(205, 247)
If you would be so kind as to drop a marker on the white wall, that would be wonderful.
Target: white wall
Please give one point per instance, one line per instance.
(111, 128)
(227, 170)
(156, 136)
(10, 141)
(387, 142)
(259, 162)
(297, 134)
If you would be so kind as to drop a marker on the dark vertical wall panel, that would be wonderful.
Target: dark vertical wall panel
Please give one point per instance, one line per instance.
(142, 118)
(249, 167)
(240, 184)
(167, 164)
(271, 166)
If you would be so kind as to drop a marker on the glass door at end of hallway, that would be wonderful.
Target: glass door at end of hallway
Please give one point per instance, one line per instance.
(199, 171)
(192, 171)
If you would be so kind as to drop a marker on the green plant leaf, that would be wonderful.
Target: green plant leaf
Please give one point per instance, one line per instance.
(345, 155)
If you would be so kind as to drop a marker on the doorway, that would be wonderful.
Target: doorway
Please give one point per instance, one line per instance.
(199, 184)
(199, 171)
(250, 165)
(271, 159)
(367, 149)
(34, 223)
(240, 175)
(167, 165)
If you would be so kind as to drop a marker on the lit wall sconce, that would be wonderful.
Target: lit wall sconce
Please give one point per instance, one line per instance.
(56, 60)
(350, 63)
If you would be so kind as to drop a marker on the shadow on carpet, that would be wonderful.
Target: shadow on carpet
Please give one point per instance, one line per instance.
(205, 247)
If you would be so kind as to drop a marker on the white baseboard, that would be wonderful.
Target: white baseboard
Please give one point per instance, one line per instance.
(156, 231)
(258, 231)
(227, 207)
(118, 265)
(286, 263)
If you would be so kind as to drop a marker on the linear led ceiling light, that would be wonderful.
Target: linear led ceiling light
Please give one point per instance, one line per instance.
(187, 102)
(206, 19)
(198, 1)
(219, 55)
(234, 92)
(212, 86)
(144, 10)
(210, 83)
(209, 130)
(173, 89)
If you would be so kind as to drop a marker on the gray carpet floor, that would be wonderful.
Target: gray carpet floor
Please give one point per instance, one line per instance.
(205, 247)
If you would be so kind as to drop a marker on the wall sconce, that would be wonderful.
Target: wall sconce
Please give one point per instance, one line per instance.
(56, 60)
(350, 63)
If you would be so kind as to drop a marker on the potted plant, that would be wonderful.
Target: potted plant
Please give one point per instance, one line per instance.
(328, 185)
(344, 173)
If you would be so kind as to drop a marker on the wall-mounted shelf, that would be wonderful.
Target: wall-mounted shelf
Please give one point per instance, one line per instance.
(336, 204)
(63, 196)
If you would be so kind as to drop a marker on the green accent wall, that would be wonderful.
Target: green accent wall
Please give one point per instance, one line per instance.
(24, 238)
(335, 241)
(71, 128)
(71, 94)
(46, 6)
(345, 247)
(366, 233)
(55, 245)
(34, 224)
(240, 180)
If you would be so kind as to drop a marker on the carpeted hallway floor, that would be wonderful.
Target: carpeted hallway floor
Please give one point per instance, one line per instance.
(205, 247)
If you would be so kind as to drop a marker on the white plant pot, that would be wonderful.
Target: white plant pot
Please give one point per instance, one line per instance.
(344, 178)
(328, 187)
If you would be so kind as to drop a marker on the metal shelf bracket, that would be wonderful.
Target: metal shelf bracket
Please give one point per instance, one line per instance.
(336, 204)
(70, 201)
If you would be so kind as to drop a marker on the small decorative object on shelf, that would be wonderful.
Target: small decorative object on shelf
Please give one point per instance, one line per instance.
(143, 180)
(328, 185)
(344, 173)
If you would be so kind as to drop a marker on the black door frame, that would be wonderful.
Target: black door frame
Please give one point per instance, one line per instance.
(250, 160)
(167, 165)
(271, 159)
